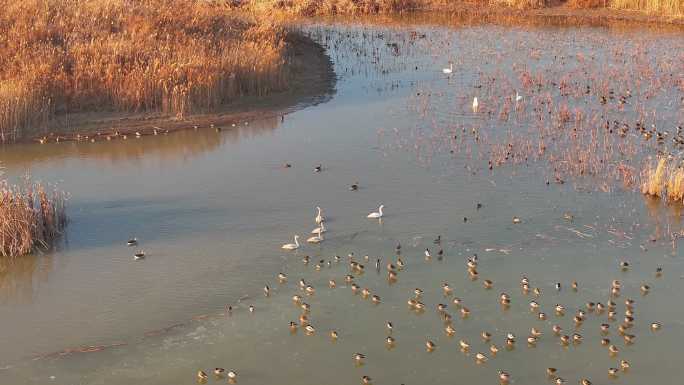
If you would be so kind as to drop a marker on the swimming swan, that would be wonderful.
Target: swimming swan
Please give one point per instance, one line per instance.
(377, 214)
(292, 246)
(319, 230)
(448, 70)
(319, 216)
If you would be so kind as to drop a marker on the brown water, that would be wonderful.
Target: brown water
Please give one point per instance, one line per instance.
(211, 210)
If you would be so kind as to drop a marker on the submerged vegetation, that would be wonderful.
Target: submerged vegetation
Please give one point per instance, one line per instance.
(58, 57)
(31, 217)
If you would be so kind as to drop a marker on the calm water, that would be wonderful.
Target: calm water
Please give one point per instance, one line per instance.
(212, 209)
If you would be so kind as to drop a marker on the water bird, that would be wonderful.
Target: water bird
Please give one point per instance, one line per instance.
(486, 336)
(430, 346)
(318, 168)
(389, 341)
(293, 326)
(427, 254)
(476, 105)
(613, 350)
(139, 255)
(319, 216)
(448, 70)
(518, 97)
(366, 380)
(645, 289)
(624, 265)
(605, 341)
(333, 335)
(504, 377)
(251, 308)
(232, 376)
(450, 331)
(132, 242)
(282, 277)
(219, 371)
(320, 229)
(377, 214)
(516, 220)
(359, 358)
(493, 349)
(488, 284)
(202, 376)
(446, 289)
(559, 381)
(267, 291)
(480, 358)
(310, 330)
(354, 186)
(315, 239)
(332, 284)
(437, 240)
(291, 246)
(464, 345)
(655, 326)
(613, 372)
(575, 286)
(375, 299)
(557, 330)
(551, 372)
(558, 286)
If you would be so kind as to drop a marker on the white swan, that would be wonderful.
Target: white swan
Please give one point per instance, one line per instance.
(316, 239)
(377, 214)
(319, 230)
(292, 246)
(476, 105)
(448, 70)
(319, 216)
(518, 97)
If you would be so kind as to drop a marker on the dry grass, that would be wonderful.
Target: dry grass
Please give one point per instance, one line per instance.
(586, 4)
(665, 7)
(664, 180)
(173, 57)
(30, 217)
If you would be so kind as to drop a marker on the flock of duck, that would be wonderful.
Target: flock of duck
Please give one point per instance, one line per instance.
(606, 314)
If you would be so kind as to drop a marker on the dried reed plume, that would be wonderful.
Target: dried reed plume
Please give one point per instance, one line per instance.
(170, 57)
(31, 217)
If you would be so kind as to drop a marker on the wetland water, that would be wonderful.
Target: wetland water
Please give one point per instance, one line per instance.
(211, 210)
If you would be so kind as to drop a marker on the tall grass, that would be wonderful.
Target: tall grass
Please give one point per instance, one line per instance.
(664, 180)
(666, 7)
(172, 57)
(30, 217)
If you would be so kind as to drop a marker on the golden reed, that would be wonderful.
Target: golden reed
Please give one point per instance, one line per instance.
(31, 217)
(172, 57)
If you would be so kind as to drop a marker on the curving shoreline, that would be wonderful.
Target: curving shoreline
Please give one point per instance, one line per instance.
(312, 81)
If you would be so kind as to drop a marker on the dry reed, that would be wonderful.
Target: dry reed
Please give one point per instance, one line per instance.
(31, 217)
(665, 7)
(171, 57)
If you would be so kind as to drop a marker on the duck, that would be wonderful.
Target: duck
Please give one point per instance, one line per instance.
(267, 291)
(310, 290)
(139, 255)
(605, 328)
(532, 341)
(430, 346)
(504, 377)
(359, 358)
(655, 326)
(291, 246)
(590, 306)
(481, 358)
(297, 299)
(560, 310)
(375, 299)
(282, 277)
(333, 335)
(251, 308)
(476, 104)
(605, 341)
(318, 168)
(446, 289)
(332, 284)
(585, 381)
(575, 286)
(366, 380)
(354, 186)
(559, 381)
(132, 242)
(517, 220)
(293, 326)
(541, 316)
(202, 376)
(310, 330)
(577, 338)
(557, 330)
(488, 284)
(465, 312)
(219, 371)
(624, 365)
(427, 253)
(645, 289)
(450, 331)
(465, 346)
(535, 332)
(629, 338)
(558, 286)
(493, 349)
(232, 376)
(613, 350)
(564, 340)
(389, 341)
(378, 214)
(457, 302)
(613, 372)
(624, 265)
(486, 336)
(551, 372)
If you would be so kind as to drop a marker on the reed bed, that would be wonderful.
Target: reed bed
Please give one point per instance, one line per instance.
(664, 179)
(666, 7)
(63, 56)
(31, 217)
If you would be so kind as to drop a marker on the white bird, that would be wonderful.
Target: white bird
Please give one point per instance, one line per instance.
(476, 105)
(319, 216)
(319, 230)
(292, 246)
(518, 97)
(377, 214)
(448, 70)
(316, 239)
(427, 253)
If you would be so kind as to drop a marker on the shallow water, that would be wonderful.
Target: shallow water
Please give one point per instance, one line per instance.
(211, 210)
